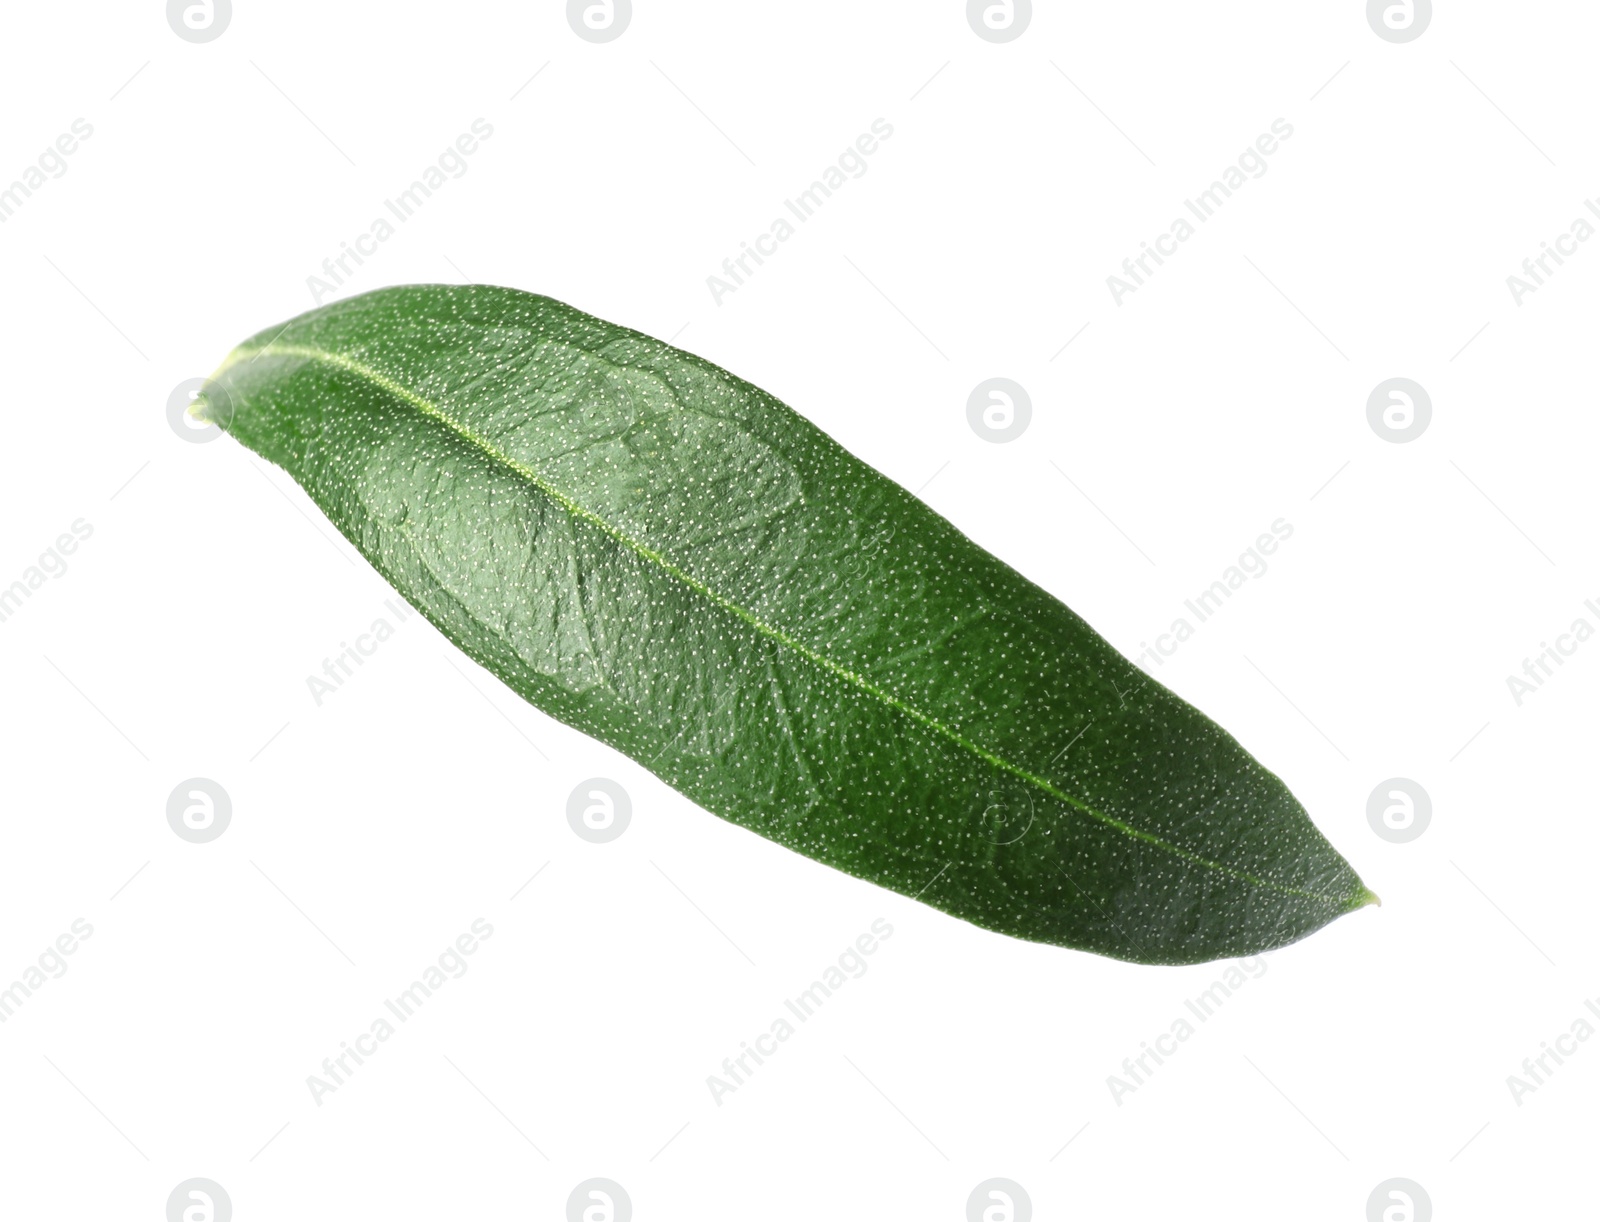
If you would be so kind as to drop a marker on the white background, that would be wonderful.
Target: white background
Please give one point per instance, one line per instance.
(1228, 392)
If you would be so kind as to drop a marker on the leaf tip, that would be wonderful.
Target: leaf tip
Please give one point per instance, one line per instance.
(1367, 896)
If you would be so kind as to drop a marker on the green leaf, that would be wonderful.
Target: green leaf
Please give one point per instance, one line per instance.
(667, 558)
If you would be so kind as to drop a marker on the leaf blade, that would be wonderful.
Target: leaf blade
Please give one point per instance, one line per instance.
(639, 542)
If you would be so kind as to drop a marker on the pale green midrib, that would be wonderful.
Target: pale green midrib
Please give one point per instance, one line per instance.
(433, 411)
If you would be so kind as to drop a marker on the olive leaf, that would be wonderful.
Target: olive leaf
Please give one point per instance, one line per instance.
(665, 557)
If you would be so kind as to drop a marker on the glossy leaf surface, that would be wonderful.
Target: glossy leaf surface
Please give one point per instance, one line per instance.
(667, 558)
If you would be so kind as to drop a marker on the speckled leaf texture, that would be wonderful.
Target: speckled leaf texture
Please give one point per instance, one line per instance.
(667, 558)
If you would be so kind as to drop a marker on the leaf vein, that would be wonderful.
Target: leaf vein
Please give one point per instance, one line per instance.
(432, 410)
